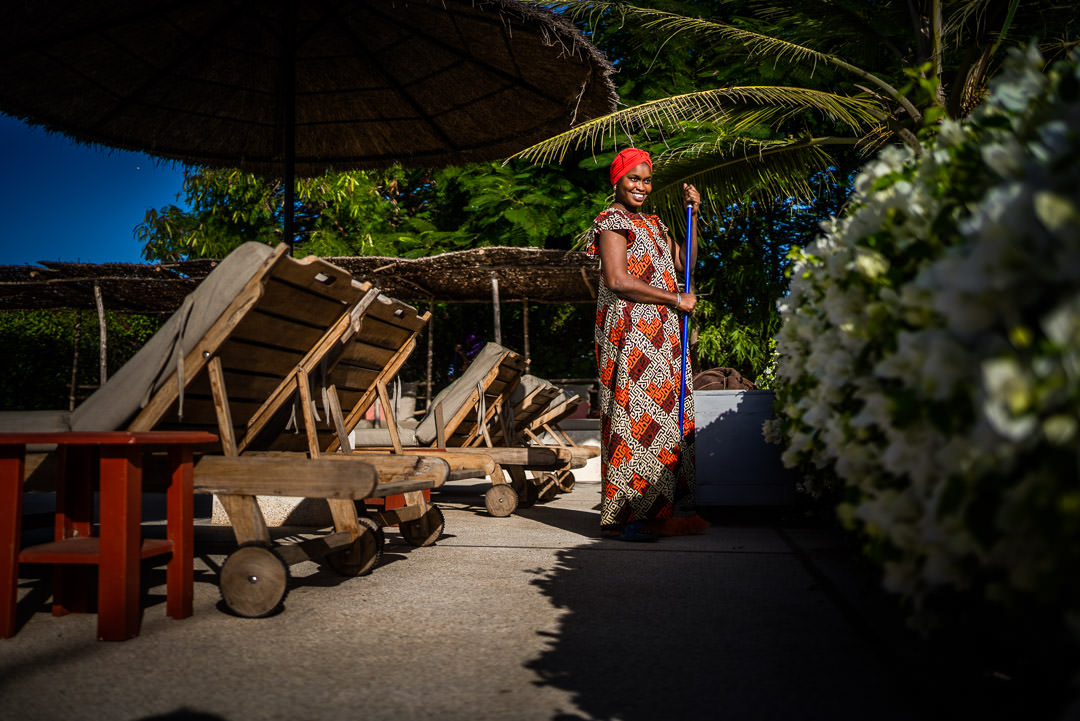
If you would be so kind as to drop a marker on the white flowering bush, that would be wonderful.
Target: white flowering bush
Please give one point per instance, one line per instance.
(929, 372)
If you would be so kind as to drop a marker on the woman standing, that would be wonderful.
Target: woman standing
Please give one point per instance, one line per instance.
(647, 466)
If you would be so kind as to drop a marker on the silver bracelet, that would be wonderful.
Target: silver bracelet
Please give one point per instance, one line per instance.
(678, 300)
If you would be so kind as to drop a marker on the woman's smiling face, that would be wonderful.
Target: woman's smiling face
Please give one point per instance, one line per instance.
(634, 187)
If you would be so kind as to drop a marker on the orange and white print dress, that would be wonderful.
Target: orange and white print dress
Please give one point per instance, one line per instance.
(639, 357)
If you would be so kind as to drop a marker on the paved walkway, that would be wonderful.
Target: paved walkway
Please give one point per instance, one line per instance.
(527, 617)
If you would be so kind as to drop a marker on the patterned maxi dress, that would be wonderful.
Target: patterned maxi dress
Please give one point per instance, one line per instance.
(639, 357)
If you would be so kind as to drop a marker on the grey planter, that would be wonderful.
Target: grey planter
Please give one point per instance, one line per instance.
(735, 465)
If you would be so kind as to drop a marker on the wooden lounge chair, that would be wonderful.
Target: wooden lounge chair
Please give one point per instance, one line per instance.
(529, 400)
(230, 360)
(346, 371)
(460, 421)
(543, 429)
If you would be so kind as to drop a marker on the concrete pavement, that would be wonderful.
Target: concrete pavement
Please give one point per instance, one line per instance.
(528, 617)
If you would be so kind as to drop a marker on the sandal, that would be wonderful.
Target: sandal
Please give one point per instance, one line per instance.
(636, 531)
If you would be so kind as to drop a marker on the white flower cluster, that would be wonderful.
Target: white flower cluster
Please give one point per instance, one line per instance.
(930, 349)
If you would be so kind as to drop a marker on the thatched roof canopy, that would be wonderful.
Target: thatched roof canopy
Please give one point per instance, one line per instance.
(131, 287)
(534, 274)
(361, 83)
(542, 276)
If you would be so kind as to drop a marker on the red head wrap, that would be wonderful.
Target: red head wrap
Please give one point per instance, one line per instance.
(626, 161)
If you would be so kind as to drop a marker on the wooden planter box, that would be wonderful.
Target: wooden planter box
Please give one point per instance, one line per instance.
(735, 465)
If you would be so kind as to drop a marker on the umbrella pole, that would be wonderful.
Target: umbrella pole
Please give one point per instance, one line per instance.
(288, 107)
(289, 202)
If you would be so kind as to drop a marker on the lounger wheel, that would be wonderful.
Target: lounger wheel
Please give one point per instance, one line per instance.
(426, 529)
(526, 495)
(501, 500)
(545, 487)
(254, 580)
(531, 495)
(564, 481)
(364, 553)
(548, 490)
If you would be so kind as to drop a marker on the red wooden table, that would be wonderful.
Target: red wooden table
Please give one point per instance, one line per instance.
(111, 461)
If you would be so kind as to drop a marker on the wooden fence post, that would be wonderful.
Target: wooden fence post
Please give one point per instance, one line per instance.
(103, 372)
(75, 361)
(495, 302)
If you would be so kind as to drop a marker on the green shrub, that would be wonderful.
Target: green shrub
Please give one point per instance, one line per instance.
(37, 351)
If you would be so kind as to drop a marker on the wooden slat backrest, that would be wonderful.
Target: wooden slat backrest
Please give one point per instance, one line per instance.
(524, 412)
(386, 338)
(268, 329)
(558, 412)
(349, 359)
(467, 428)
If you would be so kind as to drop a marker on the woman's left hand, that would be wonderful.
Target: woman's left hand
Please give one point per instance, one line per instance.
(691, 196)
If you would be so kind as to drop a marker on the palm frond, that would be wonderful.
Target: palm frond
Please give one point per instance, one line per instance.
(849, 23)
(1058, 47)
(756, 44)
(737, 108)
(969, 16)
(731, 175)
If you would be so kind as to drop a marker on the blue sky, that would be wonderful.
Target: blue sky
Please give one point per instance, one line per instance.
(64, 201)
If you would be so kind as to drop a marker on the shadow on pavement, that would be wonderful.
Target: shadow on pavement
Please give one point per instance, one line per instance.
(727, 631)
(677, 635)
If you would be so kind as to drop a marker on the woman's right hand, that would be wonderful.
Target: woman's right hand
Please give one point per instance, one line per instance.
(687, 301)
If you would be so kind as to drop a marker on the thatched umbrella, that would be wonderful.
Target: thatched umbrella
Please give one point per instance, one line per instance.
(288, 87)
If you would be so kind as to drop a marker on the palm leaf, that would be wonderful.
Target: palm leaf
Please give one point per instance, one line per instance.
(757, 44)
(847, 23)
(737, 108)
(734, 174)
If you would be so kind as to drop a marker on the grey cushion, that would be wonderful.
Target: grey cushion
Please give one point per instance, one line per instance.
(454, 396)
(34, 421)
(115, 404)
(380, 437)
(527, 385)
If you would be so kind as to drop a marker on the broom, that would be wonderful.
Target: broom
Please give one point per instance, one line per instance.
(681, 524)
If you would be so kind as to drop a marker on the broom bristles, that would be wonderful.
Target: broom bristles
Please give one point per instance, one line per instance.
(678, 525)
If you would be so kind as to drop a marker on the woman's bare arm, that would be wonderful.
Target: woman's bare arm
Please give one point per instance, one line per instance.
(612, 245)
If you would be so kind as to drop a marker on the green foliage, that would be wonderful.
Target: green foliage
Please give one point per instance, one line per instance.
(497, 204)
(397, 212)
(335, 214)
(37, 350)
(769, 83)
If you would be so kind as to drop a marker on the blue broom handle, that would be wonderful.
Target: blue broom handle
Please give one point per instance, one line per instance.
(687, 268)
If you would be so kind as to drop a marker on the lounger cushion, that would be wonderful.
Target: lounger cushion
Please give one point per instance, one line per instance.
(34, 421)
(527, 385)
(115, 404)
(380, 438)
(455, 395)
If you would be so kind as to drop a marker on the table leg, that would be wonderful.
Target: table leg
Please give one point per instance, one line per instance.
(12, 460)
(180, 528)
(77, 476)
(119, 607)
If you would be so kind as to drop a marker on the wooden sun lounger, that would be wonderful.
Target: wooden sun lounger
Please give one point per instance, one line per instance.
(537, 407)
(344, 372)
(356, 365)
(248, 377)
(235, 359)
(460, 422)
(560, 408)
